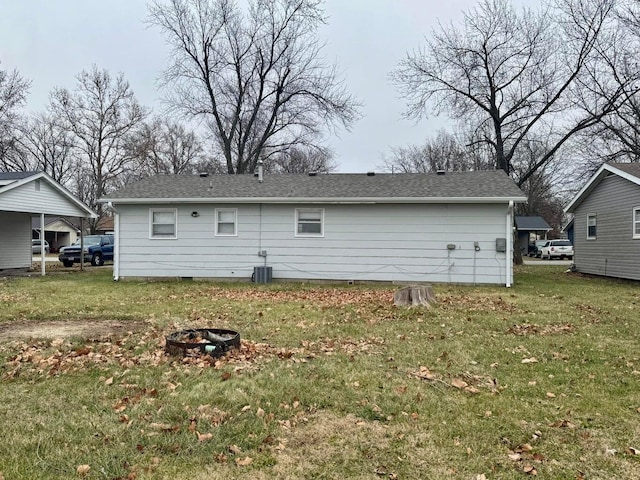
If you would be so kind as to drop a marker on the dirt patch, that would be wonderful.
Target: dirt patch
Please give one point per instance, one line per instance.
(68, 329)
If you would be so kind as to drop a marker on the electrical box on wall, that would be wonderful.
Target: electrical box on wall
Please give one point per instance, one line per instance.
(451, 246)
(501, 244)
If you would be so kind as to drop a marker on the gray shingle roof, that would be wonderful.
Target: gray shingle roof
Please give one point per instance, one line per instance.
(281, 187)
(531, 223)
(630, 168)
(16, 175)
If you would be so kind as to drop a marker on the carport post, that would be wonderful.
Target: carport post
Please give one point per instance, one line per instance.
(42, 252)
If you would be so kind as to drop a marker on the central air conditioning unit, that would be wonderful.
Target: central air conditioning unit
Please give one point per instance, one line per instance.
(262, 274)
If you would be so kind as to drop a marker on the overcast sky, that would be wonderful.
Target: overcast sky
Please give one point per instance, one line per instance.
(50, 41)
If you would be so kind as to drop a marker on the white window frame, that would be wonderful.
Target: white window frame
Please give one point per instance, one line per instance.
(595, 224)
(635, 226)
(175, 223)
(235, 222)
(307, 210)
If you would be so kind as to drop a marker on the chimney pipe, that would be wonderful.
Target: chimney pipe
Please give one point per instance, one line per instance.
(260, 172)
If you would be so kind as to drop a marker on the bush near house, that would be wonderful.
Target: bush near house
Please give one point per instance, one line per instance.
(332, 381)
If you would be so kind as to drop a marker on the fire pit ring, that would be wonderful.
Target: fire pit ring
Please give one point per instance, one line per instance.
(212, 341)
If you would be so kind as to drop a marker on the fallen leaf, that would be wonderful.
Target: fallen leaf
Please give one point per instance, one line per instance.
(109, 381)
(260, 413)
(243, 462)
(551, 395)
(235, 449)
(459, 383)
(82, 470)
(633, 451)
(529, 470)
(204, 437)
(529, 360)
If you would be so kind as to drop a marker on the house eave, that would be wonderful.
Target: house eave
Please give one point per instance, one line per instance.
(319, 200)
(594, 181)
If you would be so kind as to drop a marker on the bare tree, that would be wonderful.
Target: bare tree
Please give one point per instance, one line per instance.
(512, 75)
(100, 114)
(13, 95)
(303, 160)
(442, 152)
(256, 78)
(617, 73)
(165, 147)
(47, 146)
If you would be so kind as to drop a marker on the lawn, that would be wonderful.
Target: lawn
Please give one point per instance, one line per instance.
(331, 382)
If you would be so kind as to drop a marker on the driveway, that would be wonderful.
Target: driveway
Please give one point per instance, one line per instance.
(537, 261)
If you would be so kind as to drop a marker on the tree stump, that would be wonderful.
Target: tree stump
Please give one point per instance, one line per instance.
(414, 295)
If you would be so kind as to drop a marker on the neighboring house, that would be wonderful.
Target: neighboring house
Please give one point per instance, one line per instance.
(606, 222)
(453, 227)
(24, 195)
(530, 228)
(58, 231)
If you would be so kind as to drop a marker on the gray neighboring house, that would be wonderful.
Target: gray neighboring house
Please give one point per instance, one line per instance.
(451, 228)
(606, 222)
(24, 195)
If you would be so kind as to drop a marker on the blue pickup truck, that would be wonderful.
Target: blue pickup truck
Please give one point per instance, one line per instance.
(97, 250)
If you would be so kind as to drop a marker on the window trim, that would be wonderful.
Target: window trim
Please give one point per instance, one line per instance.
(235, 222)
(175, 223)
(636, 223)
(297, 222)
(595, 225)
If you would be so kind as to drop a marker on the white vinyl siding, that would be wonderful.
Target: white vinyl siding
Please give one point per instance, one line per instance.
(378, 242)
(15, 240)
(226, 219)
(45, 199)
(591, 226)
(162, 223)
(309, 222)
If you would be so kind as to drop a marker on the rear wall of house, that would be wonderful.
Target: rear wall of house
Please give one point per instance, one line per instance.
(614, 252)
(359, 242)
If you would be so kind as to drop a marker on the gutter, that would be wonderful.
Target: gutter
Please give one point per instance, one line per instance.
(509, 253)
(311, 200)
(116, 239)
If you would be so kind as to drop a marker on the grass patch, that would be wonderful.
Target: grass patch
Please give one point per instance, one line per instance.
(331, 381)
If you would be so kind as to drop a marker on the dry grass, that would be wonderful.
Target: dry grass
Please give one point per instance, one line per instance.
(331, 381)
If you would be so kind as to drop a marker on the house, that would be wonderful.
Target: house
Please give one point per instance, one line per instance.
(606, 222)
(58, 231)
(528, 226)
(24, 195)
(453, 227)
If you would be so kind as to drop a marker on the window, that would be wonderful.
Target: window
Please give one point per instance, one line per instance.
(226, 221)
(309, 222)
(591, 226)
(636, 222)
(163, 223)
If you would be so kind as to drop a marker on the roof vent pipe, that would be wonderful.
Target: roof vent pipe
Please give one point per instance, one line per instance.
(260, 171)
(440, 172)
(203, 174)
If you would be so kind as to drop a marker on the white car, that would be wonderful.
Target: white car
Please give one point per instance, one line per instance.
(557, 249)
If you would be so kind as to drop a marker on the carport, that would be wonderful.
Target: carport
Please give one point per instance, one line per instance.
(527, 225)
(24, 195)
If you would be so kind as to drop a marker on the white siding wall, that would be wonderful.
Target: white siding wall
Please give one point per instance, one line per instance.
(360, 242)
(46, 199)
(15, 240)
